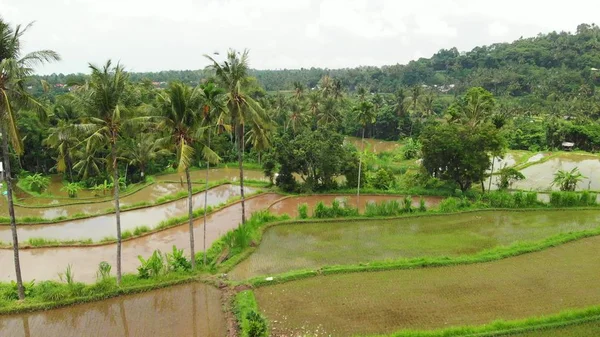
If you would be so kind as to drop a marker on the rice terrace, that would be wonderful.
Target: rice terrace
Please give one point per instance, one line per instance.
(453, 195)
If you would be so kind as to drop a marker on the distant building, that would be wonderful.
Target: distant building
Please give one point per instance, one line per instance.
(568, 146)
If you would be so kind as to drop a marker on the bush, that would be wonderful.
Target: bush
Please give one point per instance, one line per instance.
(335, 211)
(152, 267)
(407, 202)
(257, 325)
(36, 183)
(103, 271)
(422, 207)
(72, 189)
(384, 208)
(412, 149)
(383, 179)
(177, 261)
(303, 211)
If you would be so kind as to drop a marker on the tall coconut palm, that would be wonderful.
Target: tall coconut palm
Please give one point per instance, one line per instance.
(103, 101)
(15, 68)
(366, 115)
(243, 109)
(179, 109)
(214, 110)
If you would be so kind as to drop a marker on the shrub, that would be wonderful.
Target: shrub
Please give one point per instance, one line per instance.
(12, 293)
(257, 325)
(335, 211)
(177, 261)
(412, 149)
(384, 208)
(103, 272)
(453, 204)
(422, 207)
(303, 211)
(383, 179)
(68, 276)
(36, 183)
(72, 189)
(152, 267)
(407, 202)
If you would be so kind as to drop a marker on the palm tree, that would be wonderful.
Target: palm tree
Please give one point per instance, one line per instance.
(63, 136)
(214, 113)
(89, 164)
(15, 68)
(142, 150)
(243, 109)
(103, 101)
(298, 90)
(180, 118)
(567, 180)
(366, 115)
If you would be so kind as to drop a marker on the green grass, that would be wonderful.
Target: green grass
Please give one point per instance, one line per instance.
(432, 298)
(46, 295)
(312, 245)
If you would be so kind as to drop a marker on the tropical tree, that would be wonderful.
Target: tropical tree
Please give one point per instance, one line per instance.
(179, 108)
(567, 180)
(15, 68)
(214, 114)
(366, 115)
(63, 137)
(104, 103)
(89, 163)
(142, 150)
(243, 110)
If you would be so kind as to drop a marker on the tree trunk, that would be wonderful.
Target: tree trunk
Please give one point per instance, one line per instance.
(206, 202)
(191, 216)
(241, 164)
(113, 148)
(11, 212)
(360, 168)
(491, 174)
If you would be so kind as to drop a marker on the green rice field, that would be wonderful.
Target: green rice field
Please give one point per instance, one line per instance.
(317, 244)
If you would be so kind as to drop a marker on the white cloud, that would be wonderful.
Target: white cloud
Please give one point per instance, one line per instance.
(152, 35)
(497, 29)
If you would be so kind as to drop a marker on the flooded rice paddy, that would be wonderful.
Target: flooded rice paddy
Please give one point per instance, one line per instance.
(186, 310)
(535, 284)
(165, 184)
(98, 227)
(46, 263)
(539, 177)
(313, 245)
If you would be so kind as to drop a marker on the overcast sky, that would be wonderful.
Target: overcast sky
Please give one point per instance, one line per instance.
(154, 35)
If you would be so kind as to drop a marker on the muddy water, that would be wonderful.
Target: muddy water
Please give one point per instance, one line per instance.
(499, 163)
(540, 176)
(186, 310)
(290, 205)
(46, 263)
(313, 245)
(96, 228)
(373, 145)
